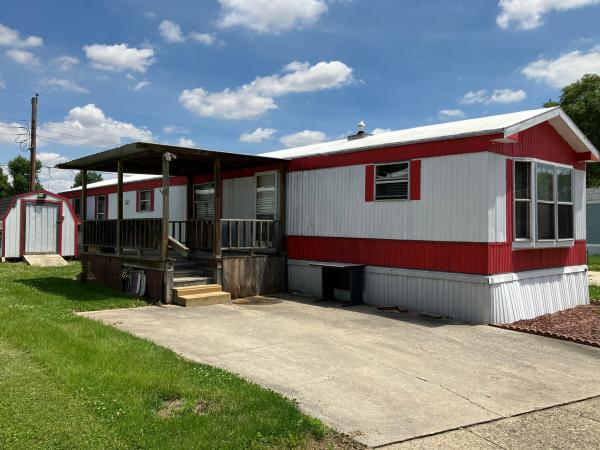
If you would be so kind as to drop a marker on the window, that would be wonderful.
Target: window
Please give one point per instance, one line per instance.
(522, 200)
(145, 201)
(266, 196)
(391, 181)
(204, 201)
(76, 203)
(101, 203)
(551, 198)
(545, 202)
(565, 203)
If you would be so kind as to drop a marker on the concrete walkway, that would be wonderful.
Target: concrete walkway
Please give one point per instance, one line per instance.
(381, 377)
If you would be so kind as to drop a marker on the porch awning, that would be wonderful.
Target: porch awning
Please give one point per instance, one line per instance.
(146, 158)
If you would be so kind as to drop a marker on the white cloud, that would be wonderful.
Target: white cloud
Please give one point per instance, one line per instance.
(270, 16)
(565, 69)
(253, 100)
(485, 97)
(149, 15)
(23, 57)
(141, 85)
(171, 32)
(207, 39)
(257, 136)
(55, 180)
(381, 130)
(119, 57)
(64, 85)
(2, 83)
(65, 62)
(12, 38)
(451, 114)
(305, 137)
(88, 125)
(176, 129)
(185, 142)
(13, 132)
(527, 14)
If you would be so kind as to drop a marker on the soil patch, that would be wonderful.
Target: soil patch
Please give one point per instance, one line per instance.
(580, 324)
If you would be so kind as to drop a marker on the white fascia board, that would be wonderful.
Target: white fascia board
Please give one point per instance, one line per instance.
(570, 132)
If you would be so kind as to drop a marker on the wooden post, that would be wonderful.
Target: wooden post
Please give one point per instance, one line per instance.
(218, 209)
(83, 209)
(282, 212)
(165, 198)
(217, 222)
(166, 264)
(119, 243)
(190, 210)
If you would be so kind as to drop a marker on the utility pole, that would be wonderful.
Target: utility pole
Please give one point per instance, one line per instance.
(32, 160)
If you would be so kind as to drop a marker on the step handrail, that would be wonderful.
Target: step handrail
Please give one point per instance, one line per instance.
(178, 246)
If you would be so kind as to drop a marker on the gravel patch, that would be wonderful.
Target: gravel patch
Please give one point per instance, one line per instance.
(580, 324)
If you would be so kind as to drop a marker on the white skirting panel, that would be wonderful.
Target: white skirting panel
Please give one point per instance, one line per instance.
(477, 299)
(533, 297)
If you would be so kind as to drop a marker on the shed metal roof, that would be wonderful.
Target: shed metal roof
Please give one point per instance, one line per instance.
(4, 204)
(505, 124)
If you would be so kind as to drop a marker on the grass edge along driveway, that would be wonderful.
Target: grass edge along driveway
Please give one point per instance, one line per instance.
(70, 382)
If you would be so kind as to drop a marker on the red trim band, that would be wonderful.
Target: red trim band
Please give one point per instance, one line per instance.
(457, 257)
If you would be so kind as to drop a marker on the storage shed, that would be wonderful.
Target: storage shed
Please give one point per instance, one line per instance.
(38, 222)
(593, 220)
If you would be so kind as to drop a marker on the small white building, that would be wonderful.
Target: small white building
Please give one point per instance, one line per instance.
(38, 222)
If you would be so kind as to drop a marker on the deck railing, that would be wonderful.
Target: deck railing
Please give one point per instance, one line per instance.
(196, 234)
(248, 234)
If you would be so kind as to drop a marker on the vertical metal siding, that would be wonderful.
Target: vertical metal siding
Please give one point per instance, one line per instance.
(465, 299)
(68, 232)
(331, 202)
(533, 297)
(12, 232)
(41, 228)
(593, 223)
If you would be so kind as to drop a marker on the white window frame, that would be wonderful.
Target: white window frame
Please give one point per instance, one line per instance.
(105, 212)
(74, 200)
(276, 209)
(375, 183)
(534, 242)
(149, 201)
(195, 201)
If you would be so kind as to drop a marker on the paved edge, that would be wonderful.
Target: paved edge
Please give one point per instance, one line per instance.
(545, 408)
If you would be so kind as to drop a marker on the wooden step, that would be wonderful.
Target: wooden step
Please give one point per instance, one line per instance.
(191, 281)
(209, 298)
(198, 289)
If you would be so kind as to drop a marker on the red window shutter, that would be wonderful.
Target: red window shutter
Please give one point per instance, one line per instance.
(415, 179)
(152, 199)
(137, 201)
(369, 183)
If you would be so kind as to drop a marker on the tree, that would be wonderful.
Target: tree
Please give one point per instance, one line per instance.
(581, 102)
(19, 171)
(5, 187)
(92, 177)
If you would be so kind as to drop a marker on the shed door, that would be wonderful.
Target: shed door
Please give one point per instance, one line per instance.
(41, 228)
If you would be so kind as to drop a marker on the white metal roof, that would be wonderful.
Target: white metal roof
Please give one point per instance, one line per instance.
(505, 124)
(113, 181)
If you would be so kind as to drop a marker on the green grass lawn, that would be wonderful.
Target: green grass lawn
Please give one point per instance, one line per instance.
(594, 262)
(70, 382)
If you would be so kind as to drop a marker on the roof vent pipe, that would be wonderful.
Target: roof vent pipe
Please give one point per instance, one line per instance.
(361, 132)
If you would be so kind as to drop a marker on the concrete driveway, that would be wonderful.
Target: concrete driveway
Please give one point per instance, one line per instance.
(381, 377)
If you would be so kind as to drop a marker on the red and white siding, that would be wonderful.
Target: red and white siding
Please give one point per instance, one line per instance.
(446, 251)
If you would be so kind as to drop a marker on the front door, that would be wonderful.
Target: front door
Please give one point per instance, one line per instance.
(41, 228)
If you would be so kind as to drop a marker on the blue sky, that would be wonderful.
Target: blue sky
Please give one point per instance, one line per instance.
(259, 75)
